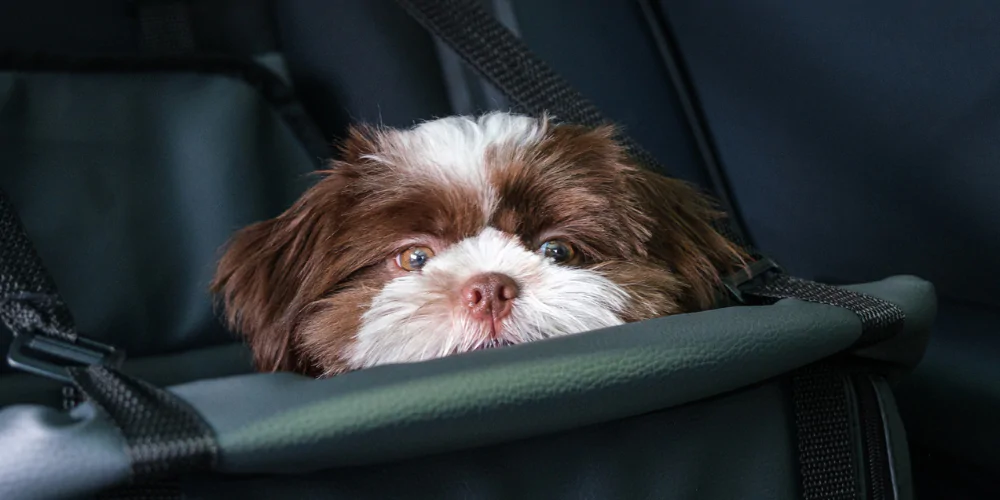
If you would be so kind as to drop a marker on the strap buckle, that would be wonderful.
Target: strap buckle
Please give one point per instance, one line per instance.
(738, 283)
(50, 357)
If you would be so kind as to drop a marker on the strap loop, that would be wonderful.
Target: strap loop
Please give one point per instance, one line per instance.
(880, 319)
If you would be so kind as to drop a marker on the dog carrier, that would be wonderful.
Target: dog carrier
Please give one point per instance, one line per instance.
(130, 153)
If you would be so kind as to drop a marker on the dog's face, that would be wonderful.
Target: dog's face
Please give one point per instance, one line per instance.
(461, 234)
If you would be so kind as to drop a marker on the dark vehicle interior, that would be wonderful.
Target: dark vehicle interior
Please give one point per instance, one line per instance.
(851, 142)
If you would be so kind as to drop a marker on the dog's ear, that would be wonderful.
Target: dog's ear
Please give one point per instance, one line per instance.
(361, 140)
(671, 221)
(683, 235)
(268, 274)
(272, 270)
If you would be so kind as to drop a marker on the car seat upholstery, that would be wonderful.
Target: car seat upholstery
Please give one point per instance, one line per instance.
(859, 141)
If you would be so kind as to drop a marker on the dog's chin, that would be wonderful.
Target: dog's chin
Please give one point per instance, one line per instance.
(494, 344)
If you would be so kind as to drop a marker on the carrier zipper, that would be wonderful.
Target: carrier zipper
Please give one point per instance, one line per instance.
(876, 455)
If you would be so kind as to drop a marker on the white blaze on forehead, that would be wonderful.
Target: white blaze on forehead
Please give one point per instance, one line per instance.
(419, 316)
(452, 150)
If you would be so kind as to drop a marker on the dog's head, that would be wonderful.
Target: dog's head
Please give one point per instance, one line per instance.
(463, 233)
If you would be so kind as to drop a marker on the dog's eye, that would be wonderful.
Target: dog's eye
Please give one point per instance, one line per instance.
(414, 258)
(558, 250)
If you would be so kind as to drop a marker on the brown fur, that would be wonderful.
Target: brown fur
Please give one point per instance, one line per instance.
(297, 285)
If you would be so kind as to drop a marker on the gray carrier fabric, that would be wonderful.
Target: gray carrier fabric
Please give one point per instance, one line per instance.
(718, 368)
(129, 184)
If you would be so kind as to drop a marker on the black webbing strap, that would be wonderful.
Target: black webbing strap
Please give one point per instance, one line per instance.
(502, 58)
(829, 464)
(29, 302)
(880, 319)
(822, 411)
(666, 43)
(31, 308)
(163, 435)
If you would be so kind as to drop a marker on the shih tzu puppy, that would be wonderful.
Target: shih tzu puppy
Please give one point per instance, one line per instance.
(467, 233)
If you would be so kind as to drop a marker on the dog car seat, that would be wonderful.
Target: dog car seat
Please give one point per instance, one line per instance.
(332, 73)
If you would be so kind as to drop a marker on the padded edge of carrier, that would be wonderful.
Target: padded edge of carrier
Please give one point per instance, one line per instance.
(284, 423)
(287, 423)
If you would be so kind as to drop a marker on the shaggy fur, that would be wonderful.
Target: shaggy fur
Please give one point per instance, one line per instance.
(320, 290)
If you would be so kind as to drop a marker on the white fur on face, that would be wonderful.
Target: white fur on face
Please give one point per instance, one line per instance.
(452, 150)
(418, 316)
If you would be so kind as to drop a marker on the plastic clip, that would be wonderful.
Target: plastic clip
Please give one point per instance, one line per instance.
(739, 283)
(50, 357)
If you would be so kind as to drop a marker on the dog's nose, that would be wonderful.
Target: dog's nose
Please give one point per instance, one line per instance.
(490, 295)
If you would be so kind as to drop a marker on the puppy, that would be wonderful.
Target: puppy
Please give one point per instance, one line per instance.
(466, 233)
